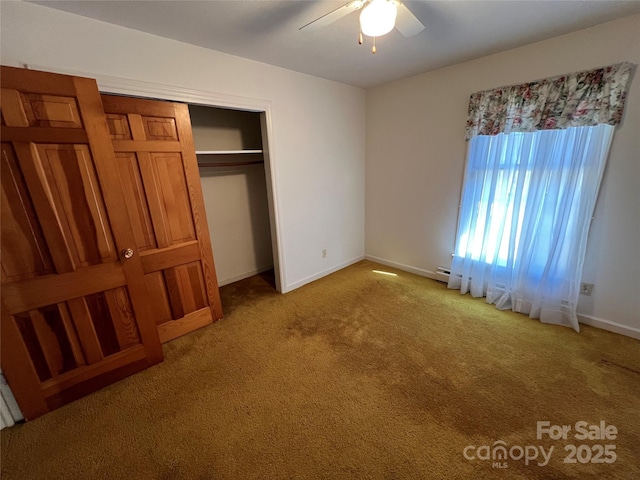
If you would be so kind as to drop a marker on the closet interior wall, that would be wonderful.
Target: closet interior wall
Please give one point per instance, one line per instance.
(231, 164)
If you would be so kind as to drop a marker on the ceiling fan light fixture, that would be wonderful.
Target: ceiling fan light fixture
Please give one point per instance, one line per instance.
(378, 18)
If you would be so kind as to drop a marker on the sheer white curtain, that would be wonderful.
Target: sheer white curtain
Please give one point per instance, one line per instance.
(527, 204)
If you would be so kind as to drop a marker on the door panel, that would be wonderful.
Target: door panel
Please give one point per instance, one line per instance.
(82, 331)
(168, 198)
(37, 110)
(158, 173)
(67, 177)
(75, 315)
(21, 232)
(131, 180)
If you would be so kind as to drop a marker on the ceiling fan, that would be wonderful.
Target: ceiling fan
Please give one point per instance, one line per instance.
(378, 17)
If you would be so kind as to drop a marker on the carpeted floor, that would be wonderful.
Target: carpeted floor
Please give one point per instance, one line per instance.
(357, 375)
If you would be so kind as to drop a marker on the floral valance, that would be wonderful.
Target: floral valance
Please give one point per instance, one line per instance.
(578, 99)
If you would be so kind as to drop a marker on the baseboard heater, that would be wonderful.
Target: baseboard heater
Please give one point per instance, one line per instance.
(442, 274)
(9, 410)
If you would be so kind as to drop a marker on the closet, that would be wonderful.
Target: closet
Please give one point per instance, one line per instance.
(230, 156)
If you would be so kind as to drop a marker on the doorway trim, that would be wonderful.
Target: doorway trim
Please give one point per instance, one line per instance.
(138, 88)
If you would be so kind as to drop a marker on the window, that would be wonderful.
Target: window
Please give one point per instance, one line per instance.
(526, 207)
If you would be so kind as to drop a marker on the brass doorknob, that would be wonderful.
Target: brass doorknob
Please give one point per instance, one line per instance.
(127, 253)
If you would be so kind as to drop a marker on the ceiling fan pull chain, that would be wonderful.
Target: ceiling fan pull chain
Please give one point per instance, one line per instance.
(373, 50)
(360, 38)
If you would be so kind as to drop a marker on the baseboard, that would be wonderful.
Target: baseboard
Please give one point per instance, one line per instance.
(244, 275)
(323, 273)
(408, 268)
(609, 326)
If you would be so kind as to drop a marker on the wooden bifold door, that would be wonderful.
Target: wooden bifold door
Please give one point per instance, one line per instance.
(100, 251)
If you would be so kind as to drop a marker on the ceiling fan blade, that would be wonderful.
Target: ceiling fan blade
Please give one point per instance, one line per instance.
(334, 15)
(406, 22)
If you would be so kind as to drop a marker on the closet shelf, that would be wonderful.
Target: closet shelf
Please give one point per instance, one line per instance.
(226, 152)
(228, 164)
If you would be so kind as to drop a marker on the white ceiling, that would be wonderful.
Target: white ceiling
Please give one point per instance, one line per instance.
(268, 31)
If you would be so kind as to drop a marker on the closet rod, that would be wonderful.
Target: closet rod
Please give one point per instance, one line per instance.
(230, 164)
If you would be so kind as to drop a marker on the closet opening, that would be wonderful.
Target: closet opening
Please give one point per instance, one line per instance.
(231, 149)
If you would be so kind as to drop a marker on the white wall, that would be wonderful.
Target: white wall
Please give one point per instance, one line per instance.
(318, 144)
(416, 154)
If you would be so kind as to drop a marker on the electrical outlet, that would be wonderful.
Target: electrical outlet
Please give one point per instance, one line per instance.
(324, 253)
(586, 289)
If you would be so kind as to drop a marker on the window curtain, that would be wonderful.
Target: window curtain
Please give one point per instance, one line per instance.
(536, 157)
(525, 213)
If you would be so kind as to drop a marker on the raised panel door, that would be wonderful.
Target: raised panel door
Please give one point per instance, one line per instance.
(158, 172)
(76, 314)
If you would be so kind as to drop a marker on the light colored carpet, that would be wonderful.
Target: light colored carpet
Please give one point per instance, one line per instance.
(357, 375)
